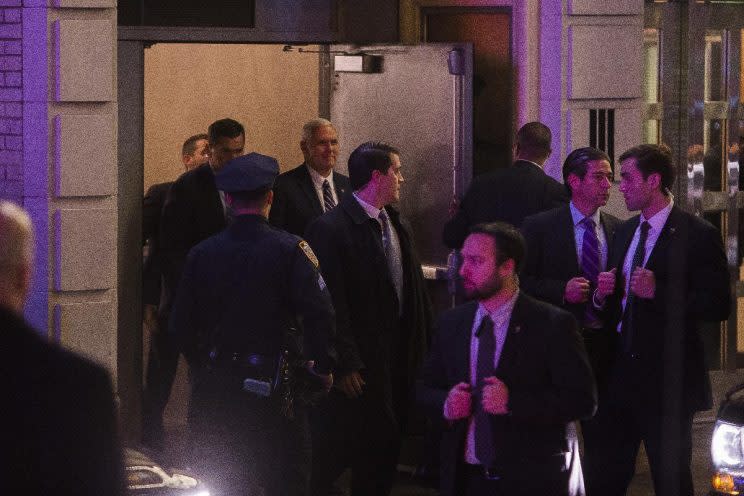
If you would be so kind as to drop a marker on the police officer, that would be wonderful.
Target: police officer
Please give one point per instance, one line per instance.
(241, 291)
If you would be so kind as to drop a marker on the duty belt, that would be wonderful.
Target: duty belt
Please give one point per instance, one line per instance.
(260, 374)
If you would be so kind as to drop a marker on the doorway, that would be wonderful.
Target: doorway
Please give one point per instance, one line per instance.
(271, 91)
(489, 30)
(162, 102)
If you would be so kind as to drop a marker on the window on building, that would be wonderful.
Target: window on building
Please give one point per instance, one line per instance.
(652, 85)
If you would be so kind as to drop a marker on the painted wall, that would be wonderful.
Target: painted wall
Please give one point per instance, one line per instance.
(188, 86)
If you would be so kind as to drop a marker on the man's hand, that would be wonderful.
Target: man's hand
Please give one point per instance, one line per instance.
(325, 379)
(606, 283)
(351, 384)
(495, 396)
(458, 403)
(577, 290)
(643, 283)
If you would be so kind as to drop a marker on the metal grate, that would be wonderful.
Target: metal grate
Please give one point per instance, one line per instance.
(602, 131)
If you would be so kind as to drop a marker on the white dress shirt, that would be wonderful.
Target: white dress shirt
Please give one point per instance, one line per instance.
(318, 181)
(500, 317)
(374, 213)
(656, 224)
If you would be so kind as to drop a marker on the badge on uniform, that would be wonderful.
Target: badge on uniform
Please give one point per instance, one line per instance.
(309, 253)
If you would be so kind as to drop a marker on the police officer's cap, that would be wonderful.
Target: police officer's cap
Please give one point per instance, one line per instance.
(247, 173)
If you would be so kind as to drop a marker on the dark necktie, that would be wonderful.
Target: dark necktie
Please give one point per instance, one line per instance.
(483, 435)
(590, 267)
(638, 256)
(392, 256)
(328, 202)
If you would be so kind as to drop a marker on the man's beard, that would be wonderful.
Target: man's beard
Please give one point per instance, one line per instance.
(485, 291)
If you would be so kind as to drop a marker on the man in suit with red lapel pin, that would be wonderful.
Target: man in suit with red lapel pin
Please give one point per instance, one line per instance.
(510, 375)
(668, 273)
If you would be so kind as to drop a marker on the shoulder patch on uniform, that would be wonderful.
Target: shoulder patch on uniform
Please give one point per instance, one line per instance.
(309, 253)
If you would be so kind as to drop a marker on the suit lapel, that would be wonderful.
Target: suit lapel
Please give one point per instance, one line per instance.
(509, 359)
(217, 214)
(463, 346)
(667, 235)
(624, 236)
(306, 185)
(608, 227)
(372, 233)
(563, 234)
(340, 188)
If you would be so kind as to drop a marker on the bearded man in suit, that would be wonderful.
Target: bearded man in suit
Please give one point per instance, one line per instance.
(510, 376)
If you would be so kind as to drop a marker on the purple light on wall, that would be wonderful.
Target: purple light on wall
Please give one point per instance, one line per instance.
(35, 154)
(551, 79)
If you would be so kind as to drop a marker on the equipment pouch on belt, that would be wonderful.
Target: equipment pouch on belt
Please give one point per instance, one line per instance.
(259, 374)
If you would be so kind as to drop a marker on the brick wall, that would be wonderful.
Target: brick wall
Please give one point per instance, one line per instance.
(11, 96)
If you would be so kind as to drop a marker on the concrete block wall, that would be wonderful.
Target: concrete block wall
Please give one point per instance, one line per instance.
(82, 189)
(58, 158)
(11, 101)
(591, 59)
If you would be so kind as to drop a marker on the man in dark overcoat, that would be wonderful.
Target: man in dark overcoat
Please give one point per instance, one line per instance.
(367, 258)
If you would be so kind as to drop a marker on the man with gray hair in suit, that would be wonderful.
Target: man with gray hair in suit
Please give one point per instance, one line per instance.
(314, 187)
(58, 419)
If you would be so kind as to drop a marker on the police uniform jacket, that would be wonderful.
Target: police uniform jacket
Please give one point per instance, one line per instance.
(242, 288)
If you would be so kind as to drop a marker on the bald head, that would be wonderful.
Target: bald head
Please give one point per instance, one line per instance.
(16, 255)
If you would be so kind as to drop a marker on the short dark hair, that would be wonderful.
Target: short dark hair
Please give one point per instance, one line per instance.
(189, 146)
(508, 240)
(577, 163)
(224, 128)
(653, 159)
(366, 158)
(534, 140)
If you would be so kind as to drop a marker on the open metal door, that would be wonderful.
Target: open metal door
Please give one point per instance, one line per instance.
(418, 99)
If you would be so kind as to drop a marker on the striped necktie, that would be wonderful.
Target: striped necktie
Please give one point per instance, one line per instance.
(590, 267)
(328, 202)
(392, 255)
